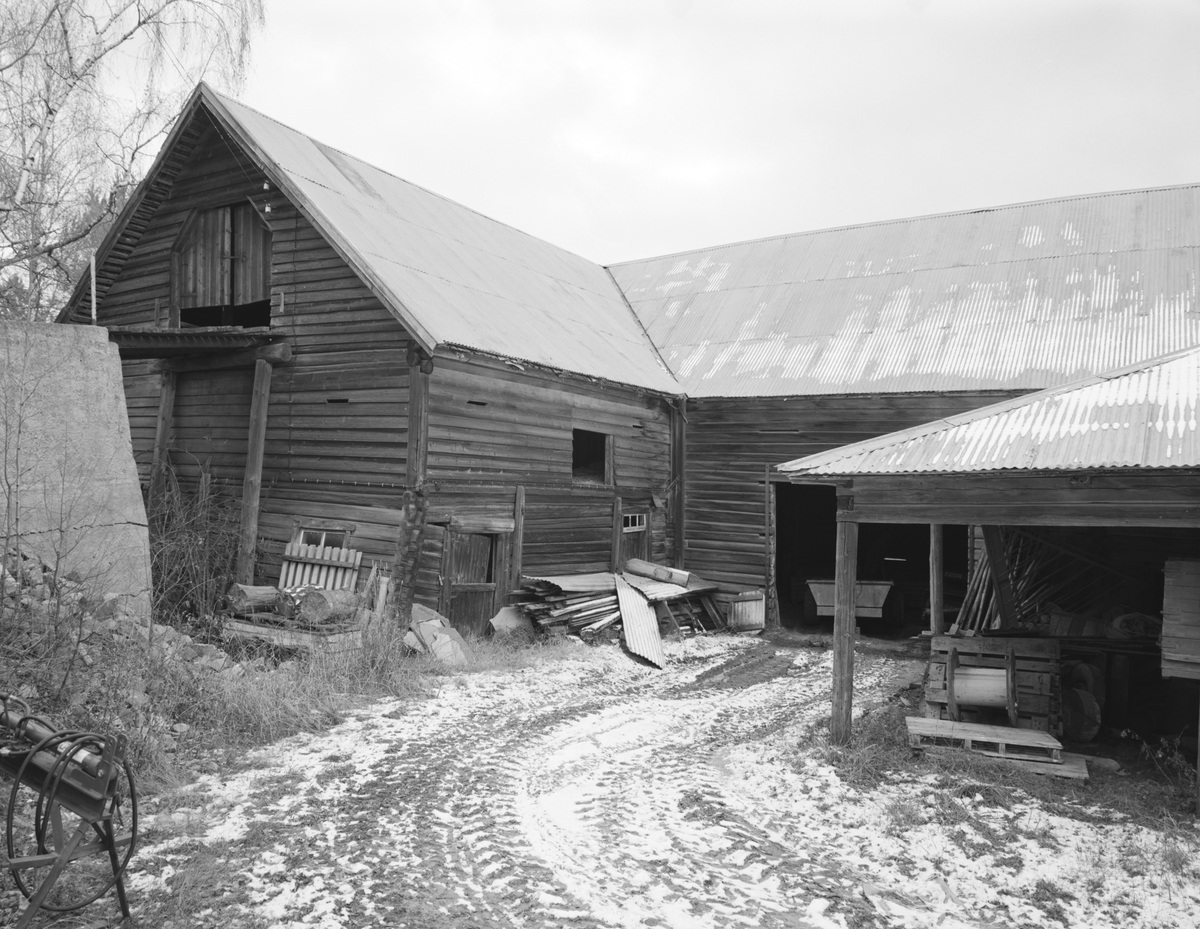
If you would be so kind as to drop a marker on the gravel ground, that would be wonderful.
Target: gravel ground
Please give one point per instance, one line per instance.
(601, 793)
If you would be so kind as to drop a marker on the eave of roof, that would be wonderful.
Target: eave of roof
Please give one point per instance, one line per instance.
(1142, 416)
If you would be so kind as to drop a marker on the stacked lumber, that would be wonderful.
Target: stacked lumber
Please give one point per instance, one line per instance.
(585, 614)
(629, 607)
(1048, 580)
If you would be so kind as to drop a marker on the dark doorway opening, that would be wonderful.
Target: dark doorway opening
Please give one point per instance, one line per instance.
(806, 537)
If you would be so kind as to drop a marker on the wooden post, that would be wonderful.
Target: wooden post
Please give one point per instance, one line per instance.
(615, 565)
(411, 535)
(771, 594)
(518, 539)
(998, 562)
(937, 579)
(844, 583)
(260, 399)
(678, 484)
(162, 433)
(420, 366)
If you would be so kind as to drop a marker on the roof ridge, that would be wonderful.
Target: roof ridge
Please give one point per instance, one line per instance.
(903, 219)
(374, 167)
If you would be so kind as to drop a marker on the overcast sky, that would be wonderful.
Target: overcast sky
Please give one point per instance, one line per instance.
(624, 130)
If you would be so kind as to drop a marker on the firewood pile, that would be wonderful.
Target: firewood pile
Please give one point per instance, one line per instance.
(307, 608)
(587, 605)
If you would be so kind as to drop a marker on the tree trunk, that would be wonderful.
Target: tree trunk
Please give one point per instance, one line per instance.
(328, 606)
(243, 598)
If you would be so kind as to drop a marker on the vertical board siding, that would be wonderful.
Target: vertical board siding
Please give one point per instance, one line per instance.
(346, 345)
(212, 413)
(730, 442)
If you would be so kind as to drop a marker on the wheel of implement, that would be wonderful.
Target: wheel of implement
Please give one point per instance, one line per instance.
(39, 828)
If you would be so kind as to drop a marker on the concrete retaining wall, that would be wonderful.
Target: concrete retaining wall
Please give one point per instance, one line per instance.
(69, 491)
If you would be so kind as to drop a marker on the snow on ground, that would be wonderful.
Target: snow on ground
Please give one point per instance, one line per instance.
(601, 793)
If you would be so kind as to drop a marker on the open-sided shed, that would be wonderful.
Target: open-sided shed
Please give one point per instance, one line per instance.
(1119, 452)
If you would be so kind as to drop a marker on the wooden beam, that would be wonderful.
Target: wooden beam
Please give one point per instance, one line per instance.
(275, 353)
(417, 457)
(618, 511)
(162, 433)
(844, 583)
(997, 557)
(937, 579)
(771, 594)
(678, 481)
(260, 399)
(518, 538)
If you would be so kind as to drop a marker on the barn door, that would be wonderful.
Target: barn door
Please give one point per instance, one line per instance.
(469, 580)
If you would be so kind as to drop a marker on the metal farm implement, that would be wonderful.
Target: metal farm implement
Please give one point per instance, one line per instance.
(71, 823)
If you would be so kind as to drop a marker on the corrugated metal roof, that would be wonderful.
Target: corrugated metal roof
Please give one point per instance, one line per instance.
(640, 625)
(1020, 297)
(454, 276)
(1143, 416)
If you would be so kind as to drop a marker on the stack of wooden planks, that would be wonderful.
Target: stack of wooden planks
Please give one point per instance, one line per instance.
(608, 607)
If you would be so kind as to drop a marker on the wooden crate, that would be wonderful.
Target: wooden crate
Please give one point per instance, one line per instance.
(1038, 689)
(1181, 619)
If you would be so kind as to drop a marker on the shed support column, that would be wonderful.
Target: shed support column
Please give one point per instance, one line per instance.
(937, 578)
(844, 583)
(162, 433)
(260, 399)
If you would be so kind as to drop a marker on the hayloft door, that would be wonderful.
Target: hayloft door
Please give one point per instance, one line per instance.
(469, 578)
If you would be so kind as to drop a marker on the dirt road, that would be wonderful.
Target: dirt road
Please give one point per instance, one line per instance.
(586, 794)
(597, 793)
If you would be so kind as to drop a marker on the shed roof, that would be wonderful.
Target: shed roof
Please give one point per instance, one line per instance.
(452, 276)
(1142, 416)
(1017, 297)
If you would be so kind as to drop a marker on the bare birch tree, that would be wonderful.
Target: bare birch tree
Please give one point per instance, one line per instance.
(87, 91)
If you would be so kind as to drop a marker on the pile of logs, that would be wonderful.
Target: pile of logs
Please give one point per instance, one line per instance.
(304, 607)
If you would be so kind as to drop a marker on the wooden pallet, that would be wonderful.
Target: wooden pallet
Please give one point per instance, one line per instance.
(998, 741)
(319, 566)
(1035, 672)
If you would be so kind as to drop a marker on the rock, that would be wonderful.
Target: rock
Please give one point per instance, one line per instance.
(180, 728)
(1099, 763)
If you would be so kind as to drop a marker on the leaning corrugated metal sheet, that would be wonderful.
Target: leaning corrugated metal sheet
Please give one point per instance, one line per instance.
(1020, 297)
(454, 276)
(1144, 416)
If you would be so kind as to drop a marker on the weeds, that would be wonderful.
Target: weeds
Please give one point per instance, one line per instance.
(194, 536)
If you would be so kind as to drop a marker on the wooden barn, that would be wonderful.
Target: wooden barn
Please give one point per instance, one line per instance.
(371, 365)
(796, 344)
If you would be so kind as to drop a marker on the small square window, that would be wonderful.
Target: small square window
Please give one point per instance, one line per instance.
(589, 455)
(326, 538)
(633, 522)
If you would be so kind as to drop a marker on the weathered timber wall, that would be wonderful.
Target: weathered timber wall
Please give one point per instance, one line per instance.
(336, 441)
(337, 422)
(492, 427)
(731, 442)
